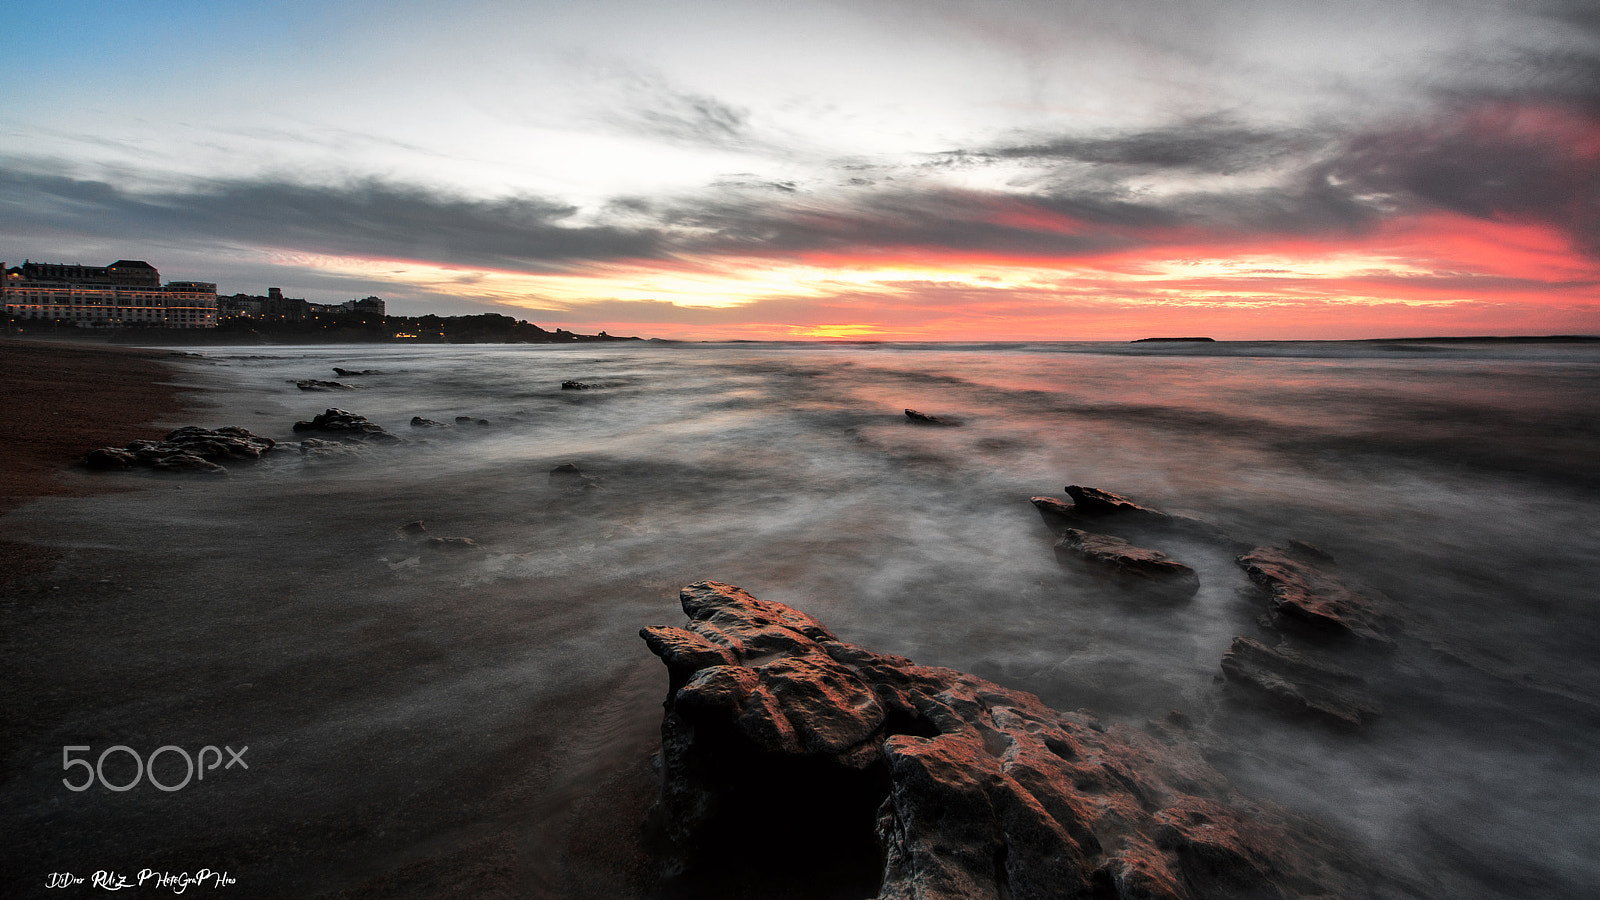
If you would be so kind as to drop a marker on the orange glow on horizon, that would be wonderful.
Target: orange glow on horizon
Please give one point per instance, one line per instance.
(1434, 274)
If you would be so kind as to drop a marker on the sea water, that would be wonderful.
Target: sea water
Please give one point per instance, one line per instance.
(407, 704)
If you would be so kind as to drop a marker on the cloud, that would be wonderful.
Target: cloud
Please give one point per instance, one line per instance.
(1214, 145)
(1501, 160)
(366, 218)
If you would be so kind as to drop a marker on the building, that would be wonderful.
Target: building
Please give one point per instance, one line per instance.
(127, 292)
(366, 305)
(273, 307)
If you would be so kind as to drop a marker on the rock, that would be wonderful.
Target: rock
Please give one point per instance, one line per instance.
(570, 477)
(411, 530)
(1094, 509)
(917, 418)
(188, 449)
(575, 386)
(110, 458)
(1058, 515)
(1150, 571)
(468, 420)
(1095, 503)
(420, 422)
(1298, 684)
(347, 426)
(320, 451)
(311, 384)
(185, 462)
(1308, 599)
(851, 773)
(347, 373)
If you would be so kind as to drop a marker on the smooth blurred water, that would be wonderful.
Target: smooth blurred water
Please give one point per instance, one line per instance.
(1459, 479)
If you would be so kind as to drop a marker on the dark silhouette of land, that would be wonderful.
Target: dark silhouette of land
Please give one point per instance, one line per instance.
(332, 328)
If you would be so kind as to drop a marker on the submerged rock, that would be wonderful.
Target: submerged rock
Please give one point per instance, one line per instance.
(420, 422)
(575, 386)
(851, 773)
(312, 384)
(917, 418)
(570, 477)
(348, 373)
(347, 426)
(469, 420)
(1308, 599)
(188, 449)
(1298, 684)
(1150, 571)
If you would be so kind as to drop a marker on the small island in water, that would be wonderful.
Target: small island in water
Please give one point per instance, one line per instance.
(1171, 339)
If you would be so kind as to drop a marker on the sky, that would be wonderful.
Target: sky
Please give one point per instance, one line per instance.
(810, 169)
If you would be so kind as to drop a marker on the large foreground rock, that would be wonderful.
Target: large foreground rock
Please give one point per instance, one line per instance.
(188, 449)
(1149, 572)
(1306, 597)
(795, 765)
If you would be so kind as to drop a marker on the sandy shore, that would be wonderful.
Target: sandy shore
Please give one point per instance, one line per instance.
(153, 620)
(63, 400)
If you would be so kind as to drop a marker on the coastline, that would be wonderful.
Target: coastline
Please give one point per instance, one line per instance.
(61, 407)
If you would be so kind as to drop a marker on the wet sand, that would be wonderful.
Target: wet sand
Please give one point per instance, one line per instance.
(63, 400)
(137, 616)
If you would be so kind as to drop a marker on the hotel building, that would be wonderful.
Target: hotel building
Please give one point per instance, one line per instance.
(127, 292)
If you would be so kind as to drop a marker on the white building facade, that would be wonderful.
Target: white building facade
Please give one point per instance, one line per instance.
(128, 292)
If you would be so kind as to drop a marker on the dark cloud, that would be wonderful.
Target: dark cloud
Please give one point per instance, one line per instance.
(1213, 145)
(1502, 161)
(369, 218)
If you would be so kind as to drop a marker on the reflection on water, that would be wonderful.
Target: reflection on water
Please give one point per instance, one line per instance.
(1458, 479)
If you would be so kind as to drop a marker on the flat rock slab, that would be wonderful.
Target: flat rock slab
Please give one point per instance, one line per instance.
(1308, 598)
(1298, 684)
(1149, 571)
(921, 418)
(795, 765)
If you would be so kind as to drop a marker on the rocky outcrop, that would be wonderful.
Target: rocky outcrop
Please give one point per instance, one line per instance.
(1093, 509)
(1291, 681)
(188, 449)
(312, 384)
(575, 386)
(347, 426)
(918, 418)
(347, 373)
(1150, 572)
(420, 422)
(1306, 598)
(795, 765)
(469, 420)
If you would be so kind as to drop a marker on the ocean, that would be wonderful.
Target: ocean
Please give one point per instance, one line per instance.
(439, 723)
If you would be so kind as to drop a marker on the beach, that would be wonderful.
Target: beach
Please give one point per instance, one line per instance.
(63, 400)
(478, 720)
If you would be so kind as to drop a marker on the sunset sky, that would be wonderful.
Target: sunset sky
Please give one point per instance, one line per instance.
(928, 170)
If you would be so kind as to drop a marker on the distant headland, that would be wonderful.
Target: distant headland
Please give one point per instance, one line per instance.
(1171, 339)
